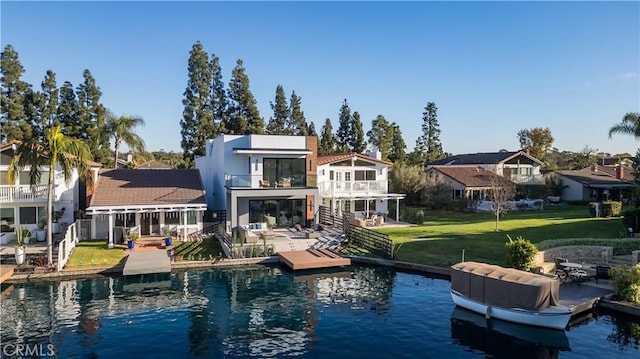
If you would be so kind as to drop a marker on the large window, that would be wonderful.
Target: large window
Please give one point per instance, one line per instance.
(7, 219)
(365, 175)
(279, 170)
(278, 213)
(31, 215)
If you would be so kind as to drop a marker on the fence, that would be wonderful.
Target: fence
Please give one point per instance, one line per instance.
(369, 240)
(65, 248)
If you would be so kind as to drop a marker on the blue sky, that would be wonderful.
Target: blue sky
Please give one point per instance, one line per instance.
(492, 68)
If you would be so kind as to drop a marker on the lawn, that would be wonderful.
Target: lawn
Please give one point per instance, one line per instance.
(207, 249)
(441, 239)
(91, 254)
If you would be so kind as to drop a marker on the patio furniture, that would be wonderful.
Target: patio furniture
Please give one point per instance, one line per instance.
(602, 272)
(264, 183)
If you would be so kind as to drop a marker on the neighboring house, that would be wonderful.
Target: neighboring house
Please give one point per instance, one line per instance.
(355, 183)
(261, 179)
(155, 164)
(149, 199)
(518, 166)
(596, 183)
(24, 205)
(465, 181)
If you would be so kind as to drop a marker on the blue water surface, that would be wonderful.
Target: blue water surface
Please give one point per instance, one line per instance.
(354, 312)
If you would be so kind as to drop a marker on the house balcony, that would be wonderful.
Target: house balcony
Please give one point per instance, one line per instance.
(352, 188)
(527, 179)
(260, 182)
(23, 193)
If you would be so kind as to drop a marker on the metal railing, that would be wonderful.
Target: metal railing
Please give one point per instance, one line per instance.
(23, 193)
(331, 188)
(65, 248)
(264, 182)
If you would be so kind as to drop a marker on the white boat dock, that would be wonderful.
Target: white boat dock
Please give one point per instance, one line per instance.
(147, 262)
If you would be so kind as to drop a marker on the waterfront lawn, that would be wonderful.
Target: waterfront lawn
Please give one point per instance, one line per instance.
(93, 254)
(207, 249)
(441, 239)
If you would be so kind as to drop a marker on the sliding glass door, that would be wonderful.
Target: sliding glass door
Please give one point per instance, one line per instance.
(281, 213)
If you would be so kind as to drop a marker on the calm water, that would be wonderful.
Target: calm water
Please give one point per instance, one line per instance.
(268, 312)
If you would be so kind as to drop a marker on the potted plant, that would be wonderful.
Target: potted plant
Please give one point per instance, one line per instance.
(56, 218)
(26, 234)
(41, 235)
(131, 243)
(166, 230)
(20, 250)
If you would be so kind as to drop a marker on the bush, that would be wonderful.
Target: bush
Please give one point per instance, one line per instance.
(631, 219)
(520, 253)
(626, 282)
(610, 208)
(412, 215)
(621, 246)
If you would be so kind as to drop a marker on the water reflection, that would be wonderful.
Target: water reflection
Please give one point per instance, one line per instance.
(502, 339)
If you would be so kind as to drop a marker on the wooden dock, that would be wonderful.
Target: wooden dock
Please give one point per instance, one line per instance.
(6, 271)
(147, 262)
(312, 258)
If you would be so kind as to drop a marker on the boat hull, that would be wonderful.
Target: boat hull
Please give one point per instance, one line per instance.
(553, 317)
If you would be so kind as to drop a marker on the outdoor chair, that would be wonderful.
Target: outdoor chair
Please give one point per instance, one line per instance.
(602, 272)
(264, 183)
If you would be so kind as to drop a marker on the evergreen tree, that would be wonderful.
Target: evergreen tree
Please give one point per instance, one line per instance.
(311, 130)
(327, 139)
(92, 116)
(397, 152)
(297, 123)
(429, 143)
(244, 117)
(381, 136)
(278, 123)
(356, 141)
(66, 114)
(13, 121)
(48, 104)
(197, 116)
(343, 135)
(218, 98)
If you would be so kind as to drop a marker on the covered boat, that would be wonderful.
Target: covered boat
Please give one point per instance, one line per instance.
(508, 294)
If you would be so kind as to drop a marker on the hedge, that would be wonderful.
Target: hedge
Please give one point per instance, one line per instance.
(632, 219)
(621, 246)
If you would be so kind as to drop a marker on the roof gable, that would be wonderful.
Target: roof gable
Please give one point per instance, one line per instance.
(485, 158)
(331, 159)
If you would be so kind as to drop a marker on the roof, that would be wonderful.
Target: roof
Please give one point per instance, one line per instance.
(323, 160)
(600, 177)
(482, 158)
(470, 176)
(123, 187)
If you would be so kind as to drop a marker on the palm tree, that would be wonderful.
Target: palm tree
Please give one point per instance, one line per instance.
(67, 152)
(121, 129)
(630, 125)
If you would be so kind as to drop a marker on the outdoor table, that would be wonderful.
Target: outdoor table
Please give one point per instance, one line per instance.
(570, 265)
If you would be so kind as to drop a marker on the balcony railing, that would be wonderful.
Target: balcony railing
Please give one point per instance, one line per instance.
(23, 193)
(259, 182)
(332, 188)
(530, 178)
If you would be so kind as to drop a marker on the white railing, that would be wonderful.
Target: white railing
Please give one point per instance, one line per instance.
(23, 193)
(532, 178)
(65, 248)
(332, 188)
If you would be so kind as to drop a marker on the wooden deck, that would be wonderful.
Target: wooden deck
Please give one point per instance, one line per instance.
(6, 271)
(312, 258)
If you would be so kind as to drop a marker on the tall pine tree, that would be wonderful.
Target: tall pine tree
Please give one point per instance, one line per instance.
(244, 117)
(397, 152)
(327, 139)
(356, 141)
(297, 122)
(66, 115)
(48, 105)
(91, 115)
(278, 122)
(311, 129)
(218, 98)
(428, 146)
(343, 135)
(13, 121)
(381, 136)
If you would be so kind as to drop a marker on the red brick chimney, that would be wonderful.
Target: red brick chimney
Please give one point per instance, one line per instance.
(619, 172)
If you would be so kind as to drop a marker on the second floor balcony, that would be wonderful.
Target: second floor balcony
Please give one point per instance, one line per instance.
(23, 193)
(267, 182)
(337, 188)
(527, 178)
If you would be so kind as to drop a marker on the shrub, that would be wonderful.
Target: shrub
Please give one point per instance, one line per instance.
(520, 253)
(610, 208)
(621, 246)
(412, 215)
(626, 282)
(631, 219)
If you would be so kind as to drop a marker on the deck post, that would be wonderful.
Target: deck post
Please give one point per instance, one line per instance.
(397, 210)
(110, 245)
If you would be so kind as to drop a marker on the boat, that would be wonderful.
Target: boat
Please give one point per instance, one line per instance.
(508, 294)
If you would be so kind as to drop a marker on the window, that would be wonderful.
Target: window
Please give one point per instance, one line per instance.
(278, 169)
(31, 215)
(192, 217)
(171, 218)
(7, 219)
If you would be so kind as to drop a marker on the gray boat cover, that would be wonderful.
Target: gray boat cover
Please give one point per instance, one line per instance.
(504, 287)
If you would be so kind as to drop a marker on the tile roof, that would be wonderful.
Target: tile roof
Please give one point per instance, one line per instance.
(470, 176)
(322, 160)
(160, 187)
(603, 176)
(482, 158)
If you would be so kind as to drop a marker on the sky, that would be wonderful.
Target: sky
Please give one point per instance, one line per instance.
(492, 68)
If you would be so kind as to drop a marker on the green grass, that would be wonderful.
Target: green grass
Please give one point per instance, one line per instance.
(441, 239)
(92, 254)
(207, 249)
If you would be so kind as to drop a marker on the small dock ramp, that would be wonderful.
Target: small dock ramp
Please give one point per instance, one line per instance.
(6, 271)
(312, 258)
(146, 262)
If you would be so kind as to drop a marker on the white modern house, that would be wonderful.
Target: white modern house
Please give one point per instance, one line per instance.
(24, 205)
(261, 179)
(355, 183)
